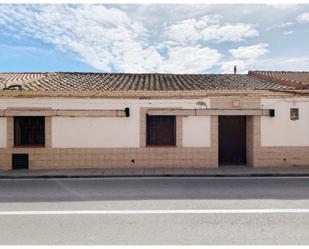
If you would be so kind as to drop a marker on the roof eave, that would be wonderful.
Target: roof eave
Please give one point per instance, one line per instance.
(149, 94)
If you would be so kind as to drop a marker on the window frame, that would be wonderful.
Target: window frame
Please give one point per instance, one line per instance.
(155, 142)
(18, 130)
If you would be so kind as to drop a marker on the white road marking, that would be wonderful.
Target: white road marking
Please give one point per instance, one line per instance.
(181, 177)
(167, 211)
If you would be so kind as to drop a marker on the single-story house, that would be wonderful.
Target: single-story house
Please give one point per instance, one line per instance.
(118, 120)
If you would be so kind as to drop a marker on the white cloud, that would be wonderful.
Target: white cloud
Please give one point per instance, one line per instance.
(300, 63)
(245, 58)
(208, 28)
(283, 63)
(229, 32)
(88, 30)
(184, 31)
(280, 25)
(288, 32)
(303, 18)
(153, 15)
(107, 38)
(287, 7)
(191, 59)
(153, 38)
(249, 52)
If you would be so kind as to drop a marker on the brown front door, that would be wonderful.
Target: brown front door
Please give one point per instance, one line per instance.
(232, 140)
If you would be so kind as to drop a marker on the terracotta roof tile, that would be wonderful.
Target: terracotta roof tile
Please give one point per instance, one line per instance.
(135, 82)
(299, 80)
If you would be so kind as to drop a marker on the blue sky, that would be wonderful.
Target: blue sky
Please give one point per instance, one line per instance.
(154, 38)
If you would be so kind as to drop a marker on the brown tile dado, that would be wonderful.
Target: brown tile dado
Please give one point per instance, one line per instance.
(47, 158)
(282, 156)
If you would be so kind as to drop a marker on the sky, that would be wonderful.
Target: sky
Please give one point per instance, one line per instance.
(154, 38)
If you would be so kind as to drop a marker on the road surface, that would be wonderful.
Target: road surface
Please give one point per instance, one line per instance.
(155, 211)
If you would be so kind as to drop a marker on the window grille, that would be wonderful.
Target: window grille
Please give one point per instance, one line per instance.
(161, 130)
(29, 131)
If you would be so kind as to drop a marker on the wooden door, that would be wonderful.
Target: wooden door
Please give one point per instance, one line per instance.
(232, 140)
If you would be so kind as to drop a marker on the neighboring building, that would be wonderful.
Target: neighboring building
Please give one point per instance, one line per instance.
(100, 120)
(297, 80)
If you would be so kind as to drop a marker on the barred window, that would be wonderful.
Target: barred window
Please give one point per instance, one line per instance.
(161, 130)
(29, 131)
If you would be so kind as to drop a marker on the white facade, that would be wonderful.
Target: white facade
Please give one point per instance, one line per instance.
(280, 130)
(113, 132)
(117, 132)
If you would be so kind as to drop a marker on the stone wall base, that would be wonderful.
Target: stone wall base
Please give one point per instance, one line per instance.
(47, 158)
(281, 156)
(40, 158)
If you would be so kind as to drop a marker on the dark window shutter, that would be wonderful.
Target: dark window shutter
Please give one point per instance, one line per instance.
(29, 131)
(161, 130)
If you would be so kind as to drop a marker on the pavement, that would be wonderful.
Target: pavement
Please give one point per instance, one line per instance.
(227, 171)
(155, 211)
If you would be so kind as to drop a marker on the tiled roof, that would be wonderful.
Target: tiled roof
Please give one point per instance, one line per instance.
(135, 82)
(299, 80)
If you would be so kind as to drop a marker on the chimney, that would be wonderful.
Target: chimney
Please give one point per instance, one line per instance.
(235, 69)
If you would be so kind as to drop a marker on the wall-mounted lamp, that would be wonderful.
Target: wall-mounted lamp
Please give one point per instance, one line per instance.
(127, 111)
(271, 112)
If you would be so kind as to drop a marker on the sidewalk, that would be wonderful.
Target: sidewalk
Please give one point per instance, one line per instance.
(227, 171)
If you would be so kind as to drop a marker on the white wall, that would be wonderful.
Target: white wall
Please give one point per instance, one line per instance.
(96, 132)
(196, 131)
(3, 133)
(280, 130)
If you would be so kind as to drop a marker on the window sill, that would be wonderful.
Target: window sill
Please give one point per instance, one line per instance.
(28, 146)
(161, 146)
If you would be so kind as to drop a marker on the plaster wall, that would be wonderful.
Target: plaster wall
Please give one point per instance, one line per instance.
(280, 130)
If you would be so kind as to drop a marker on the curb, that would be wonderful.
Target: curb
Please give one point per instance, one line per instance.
(155, 175)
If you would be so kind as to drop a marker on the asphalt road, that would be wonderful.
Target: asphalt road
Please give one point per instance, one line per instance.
(161, 211)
